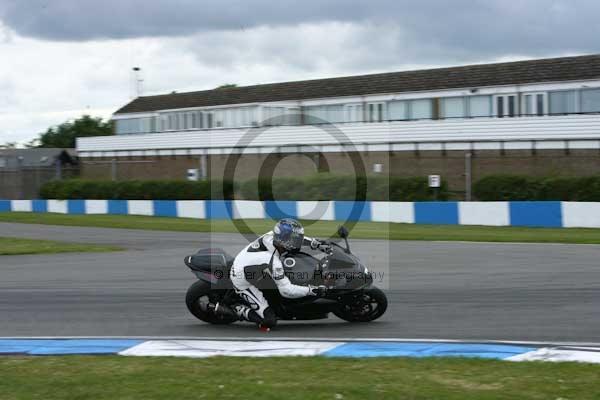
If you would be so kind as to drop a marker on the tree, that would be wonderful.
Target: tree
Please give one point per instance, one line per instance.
(8, 145)
(227, 86)
(64, 135)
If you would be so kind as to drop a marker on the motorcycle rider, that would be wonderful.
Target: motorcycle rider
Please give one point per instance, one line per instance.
(265, 255)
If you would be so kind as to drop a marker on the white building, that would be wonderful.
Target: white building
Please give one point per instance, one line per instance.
(538, 104)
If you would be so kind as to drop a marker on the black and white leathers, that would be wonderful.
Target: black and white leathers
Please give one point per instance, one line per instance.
(259, 257)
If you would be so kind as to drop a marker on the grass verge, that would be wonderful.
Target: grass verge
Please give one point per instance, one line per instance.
(15, 246)
(364, 230)
(114, 377)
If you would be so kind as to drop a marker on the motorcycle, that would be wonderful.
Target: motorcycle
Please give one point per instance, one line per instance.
(351, 295)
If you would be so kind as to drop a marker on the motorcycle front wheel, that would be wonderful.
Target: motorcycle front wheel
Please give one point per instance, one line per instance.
(364, 306)
(197, 299)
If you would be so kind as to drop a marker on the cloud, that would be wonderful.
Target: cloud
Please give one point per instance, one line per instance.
(63, 58)
(484, 26)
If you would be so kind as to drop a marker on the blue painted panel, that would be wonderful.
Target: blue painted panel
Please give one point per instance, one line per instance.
(436, 212)
(165, 208)
(39, 206)
(218, 209)
(65, 346)
(400, 349)
(76, 206)
(117, 207)
(352, 210)
(5, 205)
(281, 209)
(536, 213)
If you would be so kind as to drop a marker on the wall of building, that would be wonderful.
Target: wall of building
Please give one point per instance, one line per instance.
(450, 165)
(25, 183)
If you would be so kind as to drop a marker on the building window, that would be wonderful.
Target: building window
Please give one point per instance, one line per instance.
(354, 113)
(534, 104)
(324, 114)
(397, 110)
(375, 112)
(563, 102)
(453, 107)
(590, 101)
(506, 105)
(421, 109)
(273, 116)
(135, 125)
(209, 119)
(172, 123)
(480, 106)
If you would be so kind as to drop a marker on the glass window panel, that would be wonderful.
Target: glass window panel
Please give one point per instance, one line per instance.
(540, 104)
(335, 113)
(453, 107)
(511, 106)
(563, 102)
(480, 106)
(200, 119)
(354, 113)
(179, 121)
(397, 110)
(292, 116)
(500, 106)
(590, 100)
(528, 104)
(324, 114)
(119, 126)
(375, 112)
(421, 109)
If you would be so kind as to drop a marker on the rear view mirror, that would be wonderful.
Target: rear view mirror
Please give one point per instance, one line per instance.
(343, 232)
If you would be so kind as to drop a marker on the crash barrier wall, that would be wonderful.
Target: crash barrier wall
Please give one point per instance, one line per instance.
(553, 214)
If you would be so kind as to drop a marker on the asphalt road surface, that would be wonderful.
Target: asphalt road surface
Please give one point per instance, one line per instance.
(476, 291)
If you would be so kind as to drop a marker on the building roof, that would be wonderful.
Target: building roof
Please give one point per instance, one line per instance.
(499, 74)
(36, 157)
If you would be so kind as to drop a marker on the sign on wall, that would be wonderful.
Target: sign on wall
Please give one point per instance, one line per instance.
(192, 174)
(435, 181)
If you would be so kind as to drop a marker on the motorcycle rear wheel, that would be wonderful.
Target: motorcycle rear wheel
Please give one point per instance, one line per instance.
(197, 298)
(366, 306)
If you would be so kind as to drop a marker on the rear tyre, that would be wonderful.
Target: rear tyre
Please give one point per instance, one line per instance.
(197, 299)
(364, 306)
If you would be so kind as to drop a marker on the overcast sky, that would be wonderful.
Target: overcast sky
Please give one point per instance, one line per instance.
(62, 58)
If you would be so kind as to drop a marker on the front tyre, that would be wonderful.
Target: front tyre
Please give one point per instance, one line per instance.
(364, 306)
(197, 299)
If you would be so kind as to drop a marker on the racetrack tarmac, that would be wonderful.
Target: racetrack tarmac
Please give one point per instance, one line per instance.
(474, 291)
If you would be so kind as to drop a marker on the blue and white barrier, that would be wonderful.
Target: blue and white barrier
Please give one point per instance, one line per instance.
(278, 348)
(552, 214)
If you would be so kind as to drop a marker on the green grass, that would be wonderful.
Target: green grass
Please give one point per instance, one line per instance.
(364, 230)
(14, 246)
(114, 377)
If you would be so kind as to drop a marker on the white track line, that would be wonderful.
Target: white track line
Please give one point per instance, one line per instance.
(267, 337)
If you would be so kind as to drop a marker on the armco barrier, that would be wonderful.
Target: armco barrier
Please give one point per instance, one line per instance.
(520, 213)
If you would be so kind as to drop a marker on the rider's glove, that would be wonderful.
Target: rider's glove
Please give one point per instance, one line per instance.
(316, 244)
(319, 291)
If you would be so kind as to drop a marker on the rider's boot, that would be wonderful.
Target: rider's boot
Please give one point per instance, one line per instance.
(245, 313)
